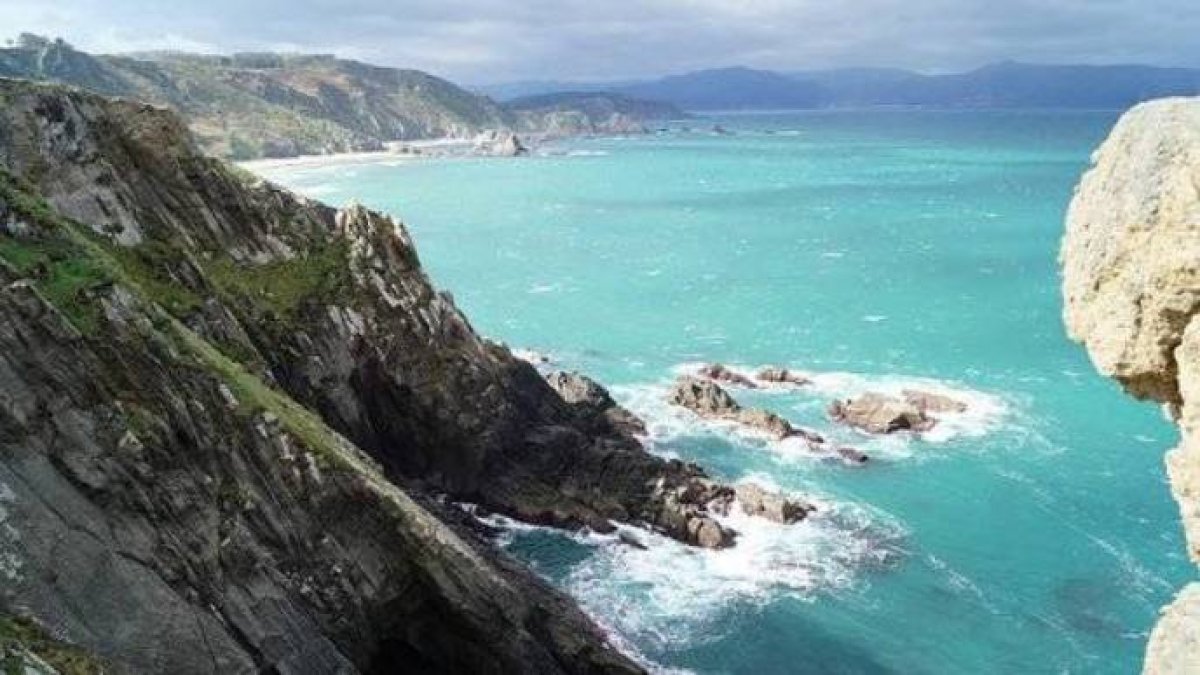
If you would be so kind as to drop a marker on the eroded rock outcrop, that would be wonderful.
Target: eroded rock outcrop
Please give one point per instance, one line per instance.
(1131, 291)
(707, 399)
(595, 403)
(881, 414)
(226, 410)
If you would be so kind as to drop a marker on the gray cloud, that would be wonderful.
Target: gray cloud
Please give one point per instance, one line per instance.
(494, 40)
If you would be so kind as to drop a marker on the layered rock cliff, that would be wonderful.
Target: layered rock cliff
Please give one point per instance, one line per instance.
(231, 417)
(1131, 287)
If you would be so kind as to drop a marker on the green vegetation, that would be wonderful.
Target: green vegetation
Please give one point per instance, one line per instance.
(45, 255)
(281, 287)
(18, 635)
(149, 264)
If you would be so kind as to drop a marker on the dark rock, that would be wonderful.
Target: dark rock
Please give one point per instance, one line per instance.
(719, 373)
(852, 455)
(595, 403)
(179, 508)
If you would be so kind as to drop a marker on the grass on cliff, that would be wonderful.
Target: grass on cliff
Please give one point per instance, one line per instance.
(282, 286)
(17, 634)
(65, 261)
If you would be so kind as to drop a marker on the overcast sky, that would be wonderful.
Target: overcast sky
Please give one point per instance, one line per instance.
(483, 41)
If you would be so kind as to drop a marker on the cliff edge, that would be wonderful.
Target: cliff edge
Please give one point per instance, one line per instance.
(1131, 290)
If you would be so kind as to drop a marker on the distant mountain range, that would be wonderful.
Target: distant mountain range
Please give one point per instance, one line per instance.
(277, 105)
(1001, 85)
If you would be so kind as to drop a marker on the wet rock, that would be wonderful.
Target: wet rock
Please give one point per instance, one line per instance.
(776, 375)
(594, 402)
(765, 421)
(707, 399)
(928, 402)
(631, 541)
(756, 501)
(880, 414)
(720, 373)
(852, 455)
(703, 397)
(705, 532)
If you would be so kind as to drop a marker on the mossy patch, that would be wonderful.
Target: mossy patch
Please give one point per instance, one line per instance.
(17, 634)
(282, 287)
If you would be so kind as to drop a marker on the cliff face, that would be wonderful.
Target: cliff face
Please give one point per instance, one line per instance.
(213, 389)
(1131, 286)
(167, 505)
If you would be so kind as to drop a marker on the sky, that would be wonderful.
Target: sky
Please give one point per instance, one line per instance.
(490, 41)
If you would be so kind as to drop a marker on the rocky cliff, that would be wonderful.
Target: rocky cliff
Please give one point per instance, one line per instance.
(247, 106)
(270, 105)
(1131, 287)
(231, 418)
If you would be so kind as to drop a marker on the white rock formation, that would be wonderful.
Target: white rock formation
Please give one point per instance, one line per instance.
(1131, 290)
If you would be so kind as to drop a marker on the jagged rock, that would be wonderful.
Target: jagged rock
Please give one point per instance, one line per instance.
(703, 397)
(928, 402)
(720, 373)
(880, 414)
(1131, 296)
(765, 421)
(781, 376)
(756, 501)
(594, 402)
(707, 399)
(173, 511)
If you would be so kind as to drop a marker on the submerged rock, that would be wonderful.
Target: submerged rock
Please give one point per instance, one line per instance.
(781, 376)
(880, 414)
(852, 455)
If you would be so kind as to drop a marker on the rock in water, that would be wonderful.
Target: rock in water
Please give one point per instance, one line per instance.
(928, 402)
(703, 397)
(880, 414)
(781, 376)
(1131, 292)
(756, 501)
(594, 402)
(707, 399)
(720, 373)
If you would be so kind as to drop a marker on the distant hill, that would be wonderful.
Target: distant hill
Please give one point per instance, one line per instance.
(252, 105)
(1001, 85)
(729, 89)
(570, 113)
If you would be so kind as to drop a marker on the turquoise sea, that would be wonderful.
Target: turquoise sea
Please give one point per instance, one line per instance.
(874, 250)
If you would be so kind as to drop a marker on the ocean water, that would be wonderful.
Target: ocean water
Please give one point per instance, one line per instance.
(875, 250)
